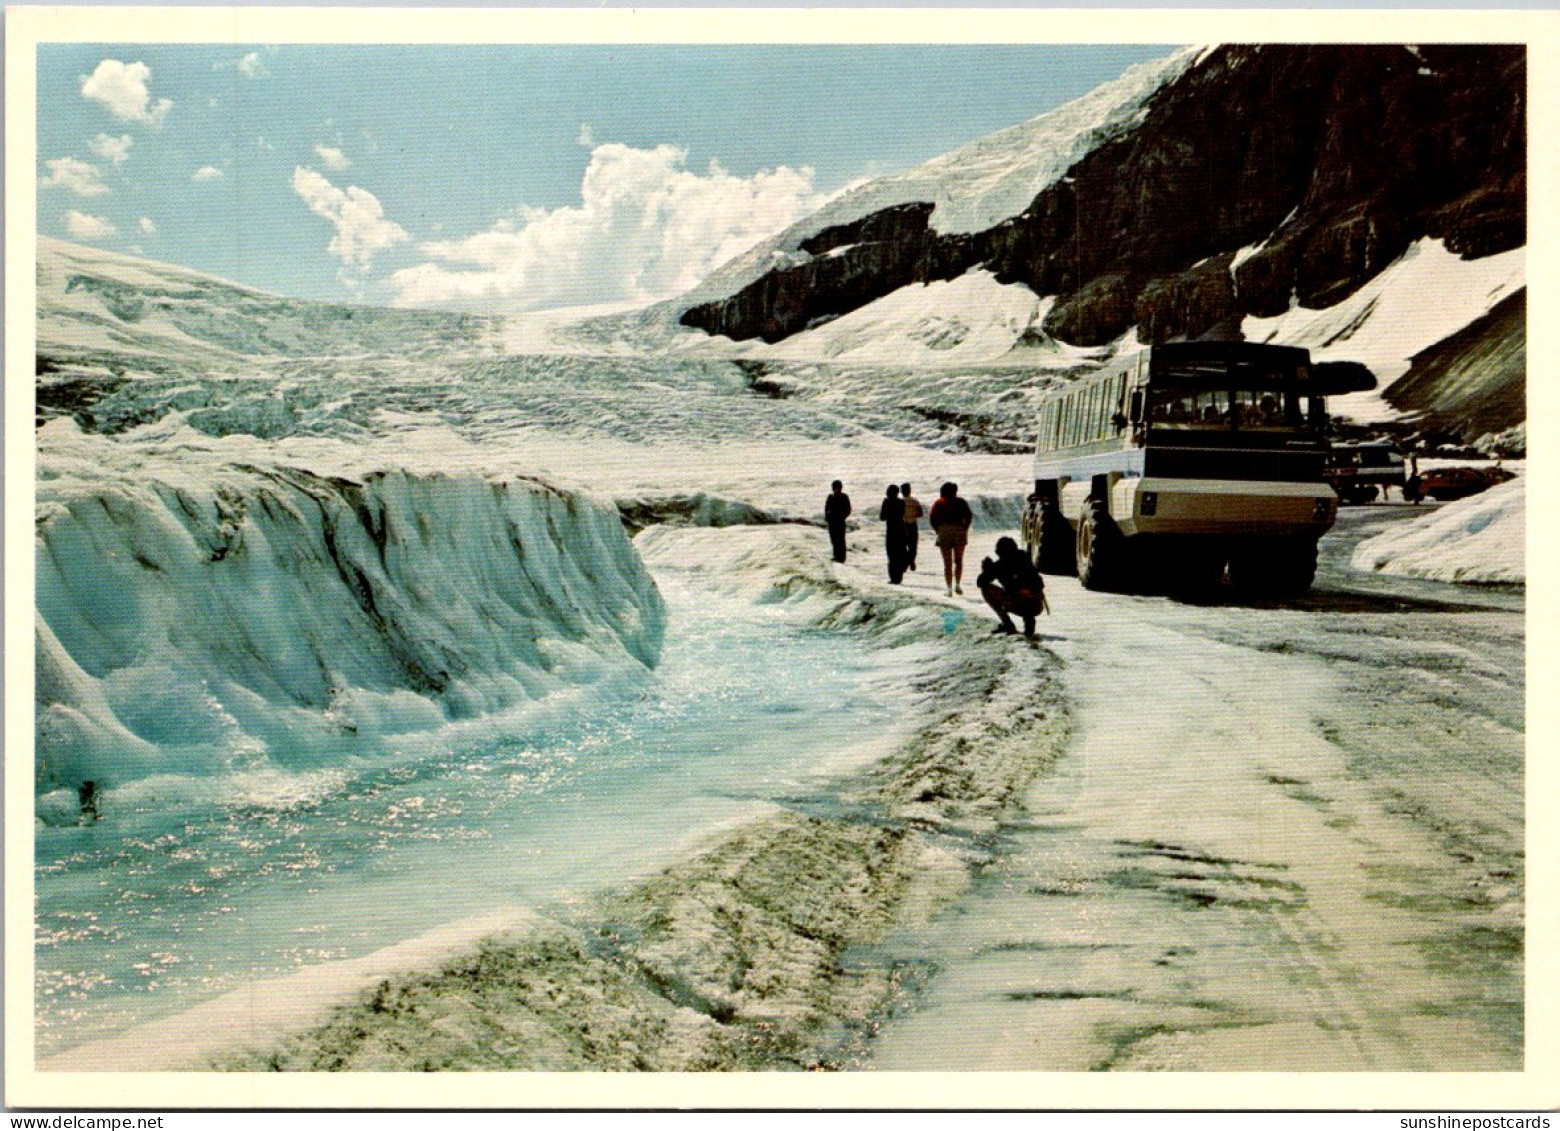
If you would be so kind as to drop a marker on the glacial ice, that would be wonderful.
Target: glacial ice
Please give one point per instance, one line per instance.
(211, 607)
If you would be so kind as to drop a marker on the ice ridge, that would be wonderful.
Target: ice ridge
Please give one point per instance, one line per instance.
(197, 617)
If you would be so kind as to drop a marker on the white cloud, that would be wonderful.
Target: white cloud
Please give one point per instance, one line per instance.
(146, 225)
(121, 87)
(84, 227)
(205, 173)
(335, 160)
(115, 149)
(74, 174)
(359, 219)
(586, 137)
(250, 66)
(646, 228)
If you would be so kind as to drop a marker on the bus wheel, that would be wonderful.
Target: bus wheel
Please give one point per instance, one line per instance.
(1279, 567)
(1049, 540)
(1099, 548)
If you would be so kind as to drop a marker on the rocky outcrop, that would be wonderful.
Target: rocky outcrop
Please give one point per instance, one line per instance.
(852, 265)
(1333, 159)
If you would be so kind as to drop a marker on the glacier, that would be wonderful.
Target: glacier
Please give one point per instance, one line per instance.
(339, 607)
(213, 606)
(360, 647)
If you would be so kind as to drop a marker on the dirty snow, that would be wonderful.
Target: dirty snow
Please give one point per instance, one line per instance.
(1426, 295)
(1477, 539)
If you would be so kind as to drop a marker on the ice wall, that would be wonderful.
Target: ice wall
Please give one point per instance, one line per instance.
(199, 614)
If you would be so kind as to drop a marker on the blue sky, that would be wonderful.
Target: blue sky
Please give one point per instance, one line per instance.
(522, 176)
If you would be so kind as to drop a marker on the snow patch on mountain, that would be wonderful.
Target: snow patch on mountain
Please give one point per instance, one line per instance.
(971, 318)
(997, 176)
(979, 184)
(1480, 539)
(1428, 294)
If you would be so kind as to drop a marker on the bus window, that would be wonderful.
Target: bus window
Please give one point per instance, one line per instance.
(1266, 408)
(1190, 408)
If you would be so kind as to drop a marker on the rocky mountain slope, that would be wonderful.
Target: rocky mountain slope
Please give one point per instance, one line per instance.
(1253, 180)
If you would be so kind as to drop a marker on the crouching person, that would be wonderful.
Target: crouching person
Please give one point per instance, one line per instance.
(1012, 586)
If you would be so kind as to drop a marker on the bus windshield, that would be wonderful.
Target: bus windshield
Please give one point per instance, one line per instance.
(1250, 409)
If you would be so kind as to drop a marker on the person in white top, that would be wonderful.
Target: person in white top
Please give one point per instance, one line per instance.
(912, 524)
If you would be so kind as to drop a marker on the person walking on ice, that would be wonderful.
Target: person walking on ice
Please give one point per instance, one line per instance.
(1011, 584)
(950, 519)
(893, 515)
(836, 509)
(912, 524)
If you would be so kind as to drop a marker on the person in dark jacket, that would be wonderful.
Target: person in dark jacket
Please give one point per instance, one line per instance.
(836, 509)
(893, 515)
(1011, 585)
(87, 794)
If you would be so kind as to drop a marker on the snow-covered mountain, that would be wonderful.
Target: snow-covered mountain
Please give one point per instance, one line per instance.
(1367, 202)
(975, 186)
(1270, 185)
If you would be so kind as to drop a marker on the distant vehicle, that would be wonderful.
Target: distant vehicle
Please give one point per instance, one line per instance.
(1359, 472)
(1443, 484)
(1184, 459)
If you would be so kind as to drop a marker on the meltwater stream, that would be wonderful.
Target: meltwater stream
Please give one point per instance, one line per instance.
(161, 905)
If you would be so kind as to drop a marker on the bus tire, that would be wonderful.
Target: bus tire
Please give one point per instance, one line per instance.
(1278, 567)
(1048, 539)
(1100, 548)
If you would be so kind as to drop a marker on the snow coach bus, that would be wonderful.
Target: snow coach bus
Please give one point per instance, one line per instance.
(1184, 460)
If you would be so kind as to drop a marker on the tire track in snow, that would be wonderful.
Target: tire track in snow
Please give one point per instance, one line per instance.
(1224, 844)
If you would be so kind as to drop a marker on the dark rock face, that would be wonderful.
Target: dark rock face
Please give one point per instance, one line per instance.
(855, 264)
(1338, 157)
(1096, 312)
(1188, 305)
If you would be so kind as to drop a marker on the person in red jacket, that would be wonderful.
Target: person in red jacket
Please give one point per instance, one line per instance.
(950, 519)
